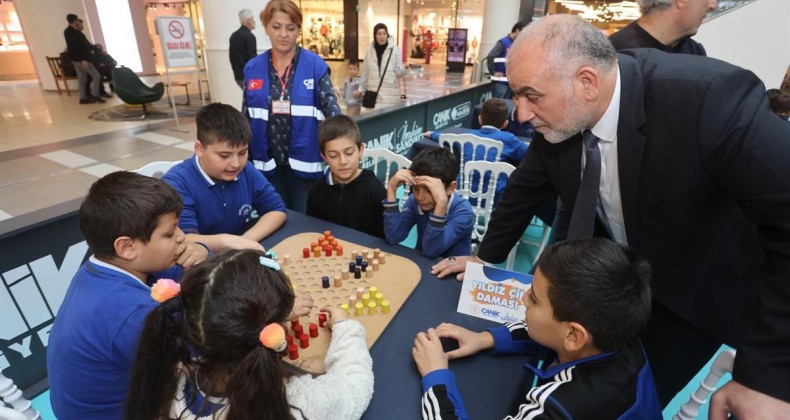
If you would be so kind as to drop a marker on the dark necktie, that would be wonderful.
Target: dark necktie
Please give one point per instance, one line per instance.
(583, 218)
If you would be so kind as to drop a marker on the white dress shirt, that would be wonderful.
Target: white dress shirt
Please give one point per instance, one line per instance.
(609, 190)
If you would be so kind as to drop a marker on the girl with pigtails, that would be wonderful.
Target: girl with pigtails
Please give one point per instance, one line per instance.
(213, 348)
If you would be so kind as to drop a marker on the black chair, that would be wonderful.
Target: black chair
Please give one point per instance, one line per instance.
(133, 91)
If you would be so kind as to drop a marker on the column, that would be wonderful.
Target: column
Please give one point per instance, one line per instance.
(498, 18)
(220, 19)
(43, 22)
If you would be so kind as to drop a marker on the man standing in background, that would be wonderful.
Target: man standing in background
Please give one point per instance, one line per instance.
(243, 45)
(666, 25)
(496, 61)
(81, 54)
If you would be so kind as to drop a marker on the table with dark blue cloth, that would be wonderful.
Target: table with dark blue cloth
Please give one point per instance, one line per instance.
(492, 387)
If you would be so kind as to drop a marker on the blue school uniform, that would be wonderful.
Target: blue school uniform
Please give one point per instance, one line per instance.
(214, 207)
(445, 236)
(93, 342)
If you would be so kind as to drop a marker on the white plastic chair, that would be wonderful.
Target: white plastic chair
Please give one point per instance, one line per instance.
(483, 197)
(372, 159)
(21, 408)
(721, 365)
(157, 169)
(481, 149)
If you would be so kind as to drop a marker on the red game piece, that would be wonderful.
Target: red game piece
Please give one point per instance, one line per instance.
(304, 342)
(306, 253)
(328, 251)
(289, 339)
(298, 329)
(294, 323)
(313, 330)
(322, 320)
(293, 352)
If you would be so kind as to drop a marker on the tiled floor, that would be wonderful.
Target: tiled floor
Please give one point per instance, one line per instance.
(51, 152)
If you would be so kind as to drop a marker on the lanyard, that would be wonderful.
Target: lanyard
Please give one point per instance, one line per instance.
(283, 82)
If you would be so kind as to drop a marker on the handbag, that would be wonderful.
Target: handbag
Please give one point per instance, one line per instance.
(369, 98)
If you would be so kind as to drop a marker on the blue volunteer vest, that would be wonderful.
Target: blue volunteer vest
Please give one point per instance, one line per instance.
(303, 154)
(499, 63)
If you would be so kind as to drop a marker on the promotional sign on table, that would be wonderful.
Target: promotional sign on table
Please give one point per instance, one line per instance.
(493, 293)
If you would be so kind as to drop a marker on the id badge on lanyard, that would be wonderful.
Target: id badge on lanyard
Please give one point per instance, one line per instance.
(282, 106)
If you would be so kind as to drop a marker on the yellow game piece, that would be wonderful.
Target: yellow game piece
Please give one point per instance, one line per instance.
(365, 299)
(379, 298)
(344, 307)
(385, 306)
(373, 290)
(372, 308)
(359, 309)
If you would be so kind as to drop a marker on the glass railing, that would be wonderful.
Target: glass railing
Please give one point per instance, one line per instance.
(726, 6)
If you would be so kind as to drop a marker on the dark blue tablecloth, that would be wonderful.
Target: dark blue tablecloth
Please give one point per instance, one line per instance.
(491, 386)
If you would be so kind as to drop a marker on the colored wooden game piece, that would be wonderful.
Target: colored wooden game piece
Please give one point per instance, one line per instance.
(372, 290)
(365, 299)
(289, 339)
(339, 249)
(306, 253)
(379, 298)
(344, 307)
(360, 292)
(322, 320)
(352, 266)
(321, 239)
(365, 265)
(294, 323)
(354, 254)
(313, 330)
(370, 256)
(364, 252)
(298, 329)
(304, 341)
(325, 282)
(328, 251)
(317, 252)
(352, 300)
(286, 259)
(313, 245)
(293, 352)
(358, 259)
(369, 274)
(372, 308)
(358, 309)
(385, 306)
(381, 259)
(376, 253)
(327, 233)
(338, 281)
(357, 273)
(375, 265)
(344, 275)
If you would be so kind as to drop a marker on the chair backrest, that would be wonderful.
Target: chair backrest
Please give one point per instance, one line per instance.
(482, 198)
(11, 414)
(381, 162)
(54, 66)
(124, 76)
(718, 368)
(469, 147)
(157, 169)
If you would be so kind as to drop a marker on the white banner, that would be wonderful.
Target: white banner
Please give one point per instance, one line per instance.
(178, 41)
(493, 293)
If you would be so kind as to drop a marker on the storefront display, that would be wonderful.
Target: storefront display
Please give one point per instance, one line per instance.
(323, 28)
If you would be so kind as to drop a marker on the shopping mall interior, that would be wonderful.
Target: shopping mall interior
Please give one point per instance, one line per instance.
(53, 148)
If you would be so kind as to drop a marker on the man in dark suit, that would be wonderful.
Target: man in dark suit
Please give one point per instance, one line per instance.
(684, 145)
(243, 45)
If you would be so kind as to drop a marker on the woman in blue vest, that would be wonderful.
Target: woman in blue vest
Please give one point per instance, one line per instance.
(496, 60)
(287, 93)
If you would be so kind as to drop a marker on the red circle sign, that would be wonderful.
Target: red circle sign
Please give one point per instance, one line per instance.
(176, 29)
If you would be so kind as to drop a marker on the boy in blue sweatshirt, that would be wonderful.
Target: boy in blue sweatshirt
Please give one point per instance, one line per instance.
(444, 219)
(588, 300)
(130, 222)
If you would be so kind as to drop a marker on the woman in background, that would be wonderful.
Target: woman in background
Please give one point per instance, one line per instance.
(383, 61)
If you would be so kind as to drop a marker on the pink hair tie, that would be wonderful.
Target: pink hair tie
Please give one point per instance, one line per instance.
(164, 290)
(272, 336)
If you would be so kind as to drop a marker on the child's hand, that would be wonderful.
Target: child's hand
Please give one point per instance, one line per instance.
(334, 315)
(239, 242)
(469, 342)
(403, 176)
(428, 352)
(190, 254)
(303, 303)
(427, 134)
(438, 192)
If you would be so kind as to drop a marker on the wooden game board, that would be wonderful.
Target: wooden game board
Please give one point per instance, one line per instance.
(396, 278)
